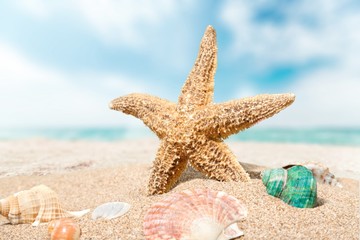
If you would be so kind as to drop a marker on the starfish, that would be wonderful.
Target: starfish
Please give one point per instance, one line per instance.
(192, 131)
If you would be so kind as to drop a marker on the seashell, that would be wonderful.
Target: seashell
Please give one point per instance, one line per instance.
(38, 204)
(322, 173)
(64, 229)
(296, 186)
(3, 220)
(231, 232)
(195, 215)
(110, 210)
(274, 180)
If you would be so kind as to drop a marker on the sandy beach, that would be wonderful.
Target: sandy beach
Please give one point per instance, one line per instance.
(88, 173)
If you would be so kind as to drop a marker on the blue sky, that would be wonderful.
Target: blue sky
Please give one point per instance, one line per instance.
(62, 62)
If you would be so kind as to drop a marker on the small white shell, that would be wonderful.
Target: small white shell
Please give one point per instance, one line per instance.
(320, 172)
(110, 210)
(195, 215)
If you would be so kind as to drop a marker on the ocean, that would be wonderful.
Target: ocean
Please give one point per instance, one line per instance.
(331, 136)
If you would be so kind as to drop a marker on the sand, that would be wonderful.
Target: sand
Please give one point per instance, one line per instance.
(86, 174)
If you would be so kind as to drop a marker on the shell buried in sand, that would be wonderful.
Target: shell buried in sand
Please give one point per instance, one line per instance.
(296, 186)
(195, 215)
(38, 204)
(110, 210)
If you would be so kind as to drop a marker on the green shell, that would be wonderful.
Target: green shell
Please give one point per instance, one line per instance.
(274, 180)
(298, 191)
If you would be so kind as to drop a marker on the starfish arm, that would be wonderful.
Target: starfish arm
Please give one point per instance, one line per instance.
(156, 113)
(198, 89)
(216, 161)
(222, 120)
(167, 168)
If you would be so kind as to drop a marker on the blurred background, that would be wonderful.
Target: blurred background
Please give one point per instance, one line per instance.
(61, 62)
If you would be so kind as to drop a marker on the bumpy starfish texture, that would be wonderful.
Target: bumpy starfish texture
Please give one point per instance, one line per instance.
(192, 131)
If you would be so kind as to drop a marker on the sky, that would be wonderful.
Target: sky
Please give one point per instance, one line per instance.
(62, 62)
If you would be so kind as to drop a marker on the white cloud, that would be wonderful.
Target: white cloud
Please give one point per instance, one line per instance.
(37, 8)
(322, 100)
(137, 25)
(328, 96)
(124, 21)
(16, 70)
(115, 22)
(330, 33)
(34, 95)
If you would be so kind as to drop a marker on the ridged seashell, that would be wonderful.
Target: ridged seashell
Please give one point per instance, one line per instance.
(296, 186)
(110, 210)
(64, 229)
(38, 204)
(195, 215)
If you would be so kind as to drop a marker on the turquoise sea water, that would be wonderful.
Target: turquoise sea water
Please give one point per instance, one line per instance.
(338, 136)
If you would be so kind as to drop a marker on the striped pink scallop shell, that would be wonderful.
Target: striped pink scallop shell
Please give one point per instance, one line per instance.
(195, 214)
